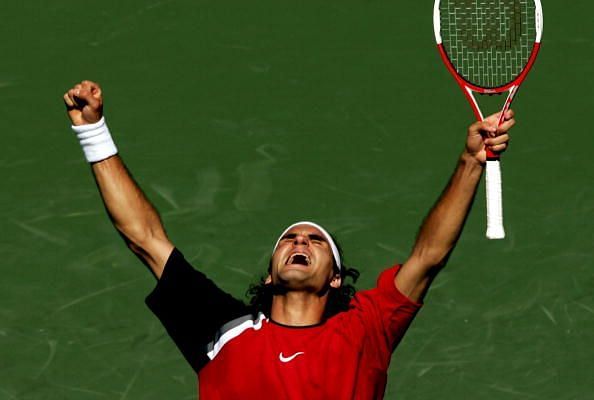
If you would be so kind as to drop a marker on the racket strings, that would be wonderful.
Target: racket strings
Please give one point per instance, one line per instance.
(488, 42)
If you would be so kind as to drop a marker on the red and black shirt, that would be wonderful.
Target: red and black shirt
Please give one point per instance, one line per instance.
(239, 353)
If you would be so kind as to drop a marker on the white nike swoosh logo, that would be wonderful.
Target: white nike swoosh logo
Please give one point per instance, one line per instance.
(290, 358)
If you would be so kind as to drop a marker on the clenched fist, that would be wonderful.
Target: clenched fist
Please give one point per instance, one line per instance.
(84, 103)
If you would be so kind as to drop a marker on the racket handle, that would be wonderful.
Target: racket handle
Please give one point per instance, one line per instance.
(494, 202)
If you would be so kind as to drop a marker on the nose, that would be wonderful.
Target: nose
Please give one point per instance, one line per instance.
(300, 240)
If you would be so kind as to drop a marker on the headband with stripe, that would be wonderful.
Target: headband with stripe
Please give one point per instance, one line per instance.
(333, 247)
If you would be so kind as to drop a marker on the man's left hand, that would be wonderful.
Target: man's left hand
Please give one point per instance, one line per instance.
(485, 134)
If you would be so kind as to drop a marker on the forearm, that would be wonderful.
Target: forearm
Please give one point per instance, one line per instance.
(442, 226)
(132, 214)
(440, 230)
(129, 209)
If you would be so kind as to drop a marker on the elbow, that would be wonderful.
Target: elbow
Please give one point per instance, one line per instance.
(433, 258)
(153, 248)
(139, 238)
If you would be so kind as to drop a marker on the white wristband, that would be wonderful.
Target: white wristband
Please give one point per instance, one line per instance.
(95, 140)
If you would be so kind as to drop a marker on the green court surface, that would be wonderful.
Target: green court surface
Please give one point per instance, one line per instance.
(238, 118)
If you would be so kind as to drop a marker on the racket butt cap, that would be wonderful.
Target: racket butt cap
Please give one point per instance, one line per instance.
(495, 233)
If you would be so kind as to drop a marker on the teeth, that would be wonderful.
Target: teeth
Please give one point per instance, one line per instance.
(292, 258)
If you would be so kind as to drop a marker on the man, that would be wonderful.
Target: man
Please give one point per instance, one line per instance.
(293, 348)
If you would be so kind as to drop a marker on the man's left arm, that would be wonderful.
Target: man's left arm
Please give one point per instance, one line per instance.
(442, 226)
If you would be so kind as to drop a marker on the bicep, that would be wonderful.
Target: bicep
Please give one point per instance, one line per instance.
(414, 278)
(154, 253)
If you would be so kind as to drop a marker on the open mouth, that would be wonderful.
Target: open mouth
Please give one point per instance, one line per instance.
(299, 259)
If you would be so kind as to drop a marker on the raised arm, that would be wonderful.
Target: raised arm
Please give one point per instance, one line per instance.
(129, 210)
(442, 226)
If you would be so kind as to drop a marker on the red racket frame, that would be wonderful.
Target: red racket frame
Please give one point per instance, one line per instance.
(468, 87)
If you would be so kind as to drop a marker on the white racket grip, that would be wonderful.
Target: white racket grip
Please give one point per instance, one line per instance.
(494, 202)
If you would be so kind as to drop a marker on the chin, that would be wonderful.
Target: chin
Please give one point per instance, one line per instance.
(292, 274)
(293, 279)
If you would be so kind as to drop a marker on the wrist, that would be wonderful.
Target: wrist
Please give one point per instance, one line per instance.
(471, 161)
(95, 140)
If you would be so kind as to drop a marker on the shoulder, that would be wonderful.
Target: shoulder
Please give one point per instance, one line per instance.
(385, 292)
(192, 308)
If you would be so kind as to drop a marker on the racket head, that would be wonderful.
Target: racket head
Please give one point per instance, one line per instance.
(488, 45)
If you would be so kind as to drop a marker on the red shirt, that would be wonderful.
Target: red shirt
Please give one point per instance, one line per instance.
(346, 357)
(241, 356)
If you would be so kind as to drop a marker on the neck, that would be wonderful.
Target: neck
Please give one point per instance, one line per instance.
(298, 308)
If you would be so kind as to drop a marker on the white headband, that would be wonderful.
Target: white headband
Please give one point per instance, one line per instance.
(335, 252)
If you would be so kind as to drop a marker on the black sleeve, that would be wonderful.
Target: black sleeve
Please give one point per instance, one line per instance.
(191, 308)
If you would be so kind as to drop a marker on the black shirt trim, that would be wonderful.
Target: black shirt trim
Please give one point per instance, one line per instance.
(191, 308)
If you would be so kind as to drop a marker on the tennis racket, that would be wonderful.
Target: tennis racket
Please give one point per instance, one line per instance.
(489, 47)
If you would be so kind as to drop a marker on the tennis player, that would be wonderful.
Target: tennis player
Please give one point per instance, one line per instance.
(302, 336)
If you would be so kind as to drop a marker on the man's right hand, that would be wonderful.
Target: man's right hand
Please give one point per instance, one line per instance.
(84, 103)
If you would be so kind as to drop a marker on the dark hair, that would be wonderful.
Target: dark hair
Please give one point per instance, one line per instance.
(260, 294)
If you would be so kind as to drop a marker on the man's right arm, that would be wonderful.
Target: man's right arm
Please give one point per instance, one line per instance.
(132, 214)
(190, 306)
(129, 210)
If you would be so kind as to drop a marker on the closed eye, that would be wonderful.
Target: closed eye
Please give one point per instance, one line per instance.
(317, 239)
